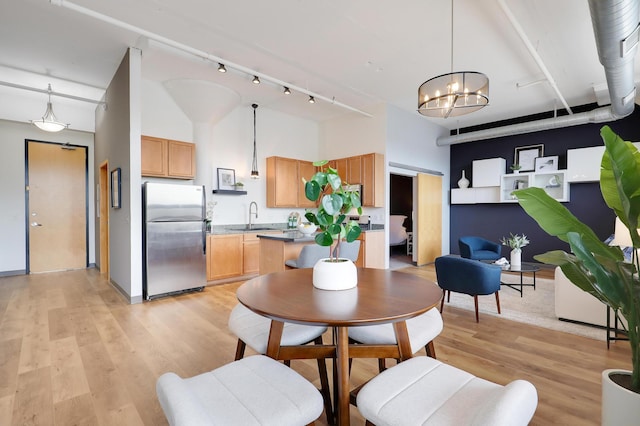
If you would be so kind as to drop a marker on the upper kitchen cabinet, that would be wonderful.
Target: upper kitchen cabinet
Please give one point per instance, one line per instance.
(306, 170)
(168, 158)
(284, 185)
(366, 170)
(372, 180)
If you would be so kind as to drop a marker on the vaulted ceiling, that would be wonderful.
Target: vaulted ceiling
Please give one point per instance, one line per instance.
(353, 52)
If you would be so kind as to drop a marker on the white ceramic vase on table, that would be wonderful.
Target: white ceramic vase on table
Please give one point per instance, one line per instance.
(339, 275)
(516, 257)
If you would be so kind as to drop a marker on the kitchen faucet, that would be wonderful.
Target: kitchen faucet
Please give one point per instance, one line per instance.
(253, 203)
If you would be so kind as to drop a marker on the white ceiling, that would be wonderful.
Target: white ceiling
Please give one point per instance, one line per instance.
(358, 52)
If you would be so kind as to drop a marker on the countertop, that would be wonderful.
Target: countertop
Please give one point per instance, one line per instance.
(287, 233)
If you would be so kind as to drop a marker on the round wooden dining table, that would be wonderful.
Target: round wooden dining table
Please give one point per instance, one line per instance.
(381, 296)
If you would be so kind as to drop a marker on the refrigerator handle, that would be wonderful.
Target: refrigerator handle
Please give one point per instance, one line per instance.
(204, 237)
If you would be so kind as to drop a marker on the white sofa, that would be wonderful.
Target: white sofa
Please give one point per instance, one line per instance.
(576, 305)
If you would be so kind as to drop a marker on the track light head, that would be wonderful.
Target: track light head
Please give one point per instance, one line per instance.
(255, 80)
(221, 68)
(312, 100)
(287, 91)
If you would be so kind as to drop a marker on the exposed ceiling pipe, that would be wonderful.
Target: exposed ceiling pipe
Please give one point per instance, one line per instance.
(532, 51)
(615, 25)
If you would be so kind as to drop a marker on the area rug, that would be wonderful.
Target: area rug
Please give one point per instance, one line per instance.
(536, 307)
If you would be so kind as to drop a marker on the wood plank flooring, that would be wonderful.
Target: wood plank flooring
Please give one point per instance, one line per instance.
(73, 352)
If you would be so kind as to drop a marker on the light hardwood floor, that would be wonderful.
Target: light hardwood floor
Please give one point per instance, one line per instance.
(73, 352)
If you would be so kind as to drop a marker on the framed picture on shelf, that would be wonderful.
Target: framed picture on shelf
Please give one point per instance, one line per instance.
(546, 164)
(525, 156)
(115, 188)
(226, 179)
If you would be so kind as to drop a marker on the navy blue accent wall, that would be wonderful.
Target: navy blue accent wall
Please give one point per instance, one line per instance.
(493, 221)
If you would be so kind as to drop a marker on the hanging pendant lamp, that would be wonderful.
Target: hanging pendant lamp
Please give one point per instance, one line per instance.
(455, 93)
(49, 122)
(254, 165)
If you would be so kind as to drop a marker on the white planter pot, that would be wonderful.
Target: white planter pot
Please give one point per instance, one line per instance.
(516, 256)
(620, 406)
(341, 275)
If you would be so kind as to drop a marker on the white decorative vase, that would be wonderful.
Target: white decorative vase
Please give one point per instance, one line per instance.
(463, 182)
(516, 255)
(620, 406)
(340, 275)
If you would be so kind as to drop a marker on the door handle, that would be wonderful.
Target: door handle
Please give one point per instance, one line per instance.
(34, 224)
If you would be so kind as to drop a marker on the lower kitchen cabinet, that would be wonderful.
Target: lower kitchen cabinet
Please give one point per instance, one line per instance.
(371, 250)
(224, 256)
(233, 255)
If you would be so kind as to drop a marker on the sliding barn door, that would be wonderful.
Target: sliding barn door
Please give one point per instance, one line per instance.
(428, 207)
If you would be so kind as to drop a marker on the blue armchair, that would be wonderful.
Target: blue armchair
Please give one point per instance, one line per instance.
(469, 277)
(477, 248)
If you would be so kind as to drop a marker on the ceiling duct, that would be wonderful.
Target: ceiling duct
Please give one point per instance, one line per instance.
(615, 25)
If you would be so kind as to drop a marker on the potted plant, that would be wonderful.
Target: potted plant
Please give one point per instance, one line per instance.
(515, 242)
(515, 168)
(334, 203)
(600, 269)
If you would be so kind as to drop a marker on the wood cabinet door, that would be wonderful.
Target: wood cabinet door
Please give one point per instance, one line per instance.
(154, 156)
(224, 256)
(282, 176)
(181, 160)
(342, 167)
(306, 170)
(251, 257)
(372, 180)
(354, 167)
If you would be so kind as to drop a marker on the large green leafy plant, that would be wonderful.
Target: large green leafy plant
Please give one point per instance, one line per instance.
(594, 266)
(334, 205)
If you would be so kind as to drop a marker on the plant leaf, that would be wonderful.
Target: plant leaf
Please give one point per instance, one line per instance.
(620, 180)
(332, 203)
(554, 218)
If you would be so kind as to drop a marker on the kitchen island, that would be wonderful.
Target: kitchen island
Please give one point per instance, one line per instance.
(275, 249)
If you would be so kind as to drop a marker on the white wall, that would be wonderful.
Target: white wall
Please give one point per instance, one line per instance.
(13, 242)
(411, 141)
(231, 147)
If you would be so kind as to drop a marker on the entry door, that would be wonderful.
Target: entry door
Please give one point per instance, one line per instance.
(428, 207)
(56, 194)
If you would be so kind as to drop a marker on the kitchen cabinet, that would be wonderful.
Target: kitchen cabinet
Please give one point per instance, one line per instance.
(234, 255)
(251, 251)
(284, 182)
(282, 175)
(371, 250)
(154, 156)
(224, 256)
(306, 170)
(167, 158)
(373, 180)
(354, 170)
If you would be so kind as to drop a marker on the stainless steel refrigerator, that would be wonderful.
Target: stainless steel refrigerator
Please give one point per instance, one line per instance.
(174, 241)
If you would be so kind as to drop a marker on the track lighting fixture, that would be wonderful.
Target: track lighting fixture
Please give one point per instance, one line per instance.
(256, 80)
(49, 122)
(312, 100)
(221, 68)
(287, 91)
